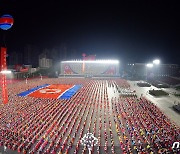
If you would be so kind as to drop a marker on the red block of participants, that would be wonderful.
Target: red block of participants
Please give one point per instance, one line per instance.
(4, 89)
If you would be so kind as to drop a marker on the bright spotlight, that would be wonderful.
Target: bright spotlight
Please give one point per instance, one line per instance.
(94, 61)
(157, 61)
(6, 72)
(149, 65)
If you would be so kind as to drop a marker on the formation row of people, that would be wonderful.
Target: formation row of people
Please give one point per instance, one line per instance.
(142, 127)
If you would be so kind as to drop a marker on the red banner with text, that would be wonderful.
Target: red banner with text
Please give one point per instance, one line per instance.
(3, 58)
(3, 66)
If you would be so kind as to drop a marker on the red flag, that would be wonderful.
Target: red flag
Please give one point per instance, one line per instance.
(90, 57)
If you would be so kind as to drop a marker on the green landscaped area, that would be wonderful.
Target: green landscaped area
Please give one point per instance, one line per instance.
(158, 93)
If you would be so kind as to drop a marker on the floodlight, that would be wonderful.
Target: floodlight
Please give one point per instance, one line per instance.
(6, 72)
(156, 61)
(94, 61)
(149, 65)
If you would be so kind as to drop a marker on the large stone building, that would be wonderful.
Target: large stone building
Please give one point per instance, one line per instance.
(44, 62)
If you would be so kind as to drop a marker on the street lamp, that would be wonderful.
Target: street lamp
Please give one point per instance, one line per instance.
(156, 61)
(149, 65)
(26, 77)
(40, 76)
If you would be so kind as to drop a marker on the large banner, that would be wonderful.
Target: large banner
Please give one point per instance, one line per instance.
(3, 58)
(3, 66)
(56, 91)
(67, 70)
(52, 91)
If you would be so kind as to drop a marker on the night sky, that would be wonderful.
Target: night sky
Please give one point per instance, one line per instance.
(136, 31)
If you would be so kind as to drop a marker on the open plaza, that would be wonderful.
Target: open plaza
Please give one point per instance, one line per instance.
(53, 118)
